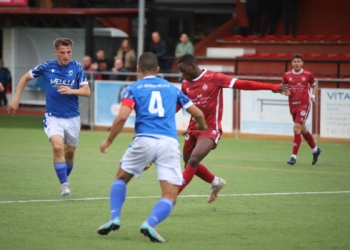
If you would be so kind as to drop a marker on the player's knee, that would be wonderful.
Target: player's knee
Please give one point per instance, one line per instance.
(57, 148)
(69, 153)
(297, 129)
(193, 161)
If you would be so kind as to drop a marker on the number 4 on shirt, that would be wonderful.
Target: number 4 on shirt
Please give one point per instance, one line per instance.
(156, 104)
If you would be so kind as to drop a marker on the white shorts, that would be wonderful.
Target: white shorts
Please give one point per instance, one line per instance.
(68, 128)
(163, 151)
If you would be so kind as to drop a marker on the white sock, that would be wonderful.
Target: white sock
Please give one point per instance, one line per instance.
(294, 156)
(314, 150)
(215, 182)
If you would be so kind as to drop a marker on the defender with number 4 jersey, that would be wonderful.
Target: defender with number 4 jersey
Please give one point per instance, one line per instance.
(154, 101)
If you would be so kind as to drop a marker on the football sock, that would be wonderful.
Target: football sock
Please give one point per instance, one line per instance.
(296, 144)
(117, 197)
(314, 150)
(294, 156)
(69, 168)
(187, 175)
(204, 173)
(215, 182)
(160, 211)
(61, 171)
(310, 140)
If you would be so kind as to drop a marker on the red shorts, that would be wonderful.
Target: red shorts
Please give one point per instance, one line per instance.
(300, 113)
(192, 138)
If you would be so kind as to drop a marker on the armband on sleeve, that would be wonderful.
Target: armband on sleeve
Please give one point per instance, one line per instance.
(128, 102)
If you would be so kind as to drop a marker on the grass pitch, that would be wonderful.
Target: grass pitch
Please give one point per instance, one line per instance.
(267, 204)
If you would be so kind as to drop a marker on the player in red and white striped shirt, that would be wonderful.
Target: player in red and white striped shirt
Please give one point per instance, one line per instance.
(204, 88)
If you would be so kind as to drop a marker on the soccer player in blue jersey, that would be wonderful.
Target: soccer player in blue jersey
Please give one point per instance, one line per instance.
(65, 80)
(154, 101)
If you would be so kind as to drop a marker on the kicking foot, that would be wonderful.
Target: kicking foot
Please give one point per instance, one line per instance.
(214, 190)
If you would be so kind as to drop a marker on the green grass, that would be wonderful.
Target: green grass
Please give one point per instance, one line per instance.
(267, 204)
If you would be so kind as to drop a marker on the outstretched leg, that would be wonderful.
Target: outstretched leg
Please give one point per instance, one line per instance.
(117, 198)
(202, 148)
(160, 212)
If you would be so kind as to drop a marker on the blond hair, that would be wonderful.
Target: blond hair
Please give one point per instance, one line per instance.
(62, 42)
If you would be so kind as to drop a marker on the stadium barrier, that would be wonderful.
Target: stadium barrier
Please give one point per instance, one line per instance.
(246, 112)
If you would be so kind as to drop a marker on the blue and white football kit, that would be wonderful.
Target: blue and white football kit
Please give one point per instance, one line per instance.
(62, 115)
(156, 139)
(155, 101)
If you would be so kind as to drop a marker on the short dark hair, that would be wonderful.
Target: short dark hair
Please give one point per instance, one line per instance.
(297, 56)
(187, 59)
(148, 62)
(62, 42)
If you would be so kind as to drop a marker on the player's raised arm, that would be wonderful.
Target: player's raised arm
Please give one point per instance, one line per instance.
(251, 85)
(21, 85)
(198, 115)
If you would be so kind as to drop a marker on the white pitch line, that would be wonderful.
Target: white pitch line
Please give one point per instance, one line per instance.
(181, 196)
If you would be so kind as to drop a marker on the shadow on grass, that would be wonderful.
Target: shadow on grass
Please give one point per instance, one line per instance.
(20, 121)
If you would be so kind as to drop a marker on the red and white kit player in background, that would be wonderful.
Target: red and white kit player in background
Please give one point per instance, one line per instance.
(204, 88)
(299, 82)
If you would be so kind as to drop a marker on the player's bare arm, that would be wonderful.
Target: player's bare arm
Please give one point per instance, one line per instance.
(198, 115)
(84, 90)
(21, 85)
(117, 127)
(313, 95)
(1, 87)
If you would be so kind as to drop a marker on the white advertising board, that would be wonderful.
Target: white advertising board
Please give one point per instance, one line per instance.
(264, 112)
(335, 113)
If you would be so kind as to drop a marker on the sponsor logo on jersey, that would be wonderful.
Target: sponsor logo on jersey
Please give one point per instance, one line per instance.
(199, 96)
(205, 87)
(299, 83)
(302, 113)
(70, 72)
(61, 82)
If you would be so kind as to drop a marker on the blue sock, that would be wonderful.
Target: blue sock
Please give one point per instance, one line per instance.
(61, 171)
(160, 211)
(117, 197)
(69, 168)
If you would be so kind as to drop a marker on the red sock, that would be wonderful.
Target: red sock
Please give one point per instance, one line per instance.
(204, 173)
(309, 139)
(187, 175)
(296, 144)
